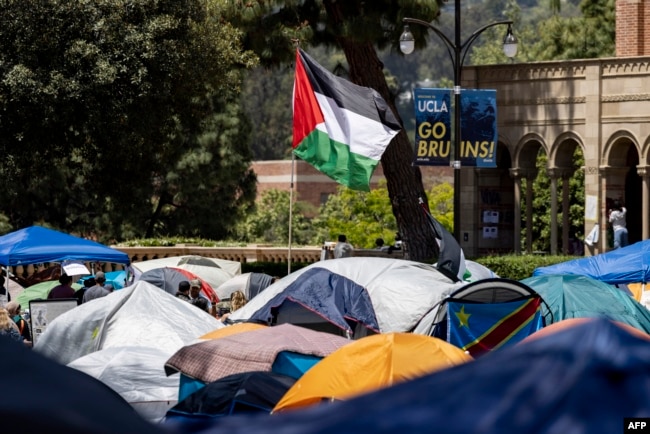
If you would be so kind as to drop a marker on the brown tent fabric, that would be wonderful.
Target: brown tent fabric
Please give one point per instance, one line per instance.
(249, 351)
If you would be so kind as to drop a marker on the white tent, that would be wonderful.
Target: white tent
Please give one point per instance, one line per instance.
(401, 291)
(187, 262)
(137, 374)
(139, 315)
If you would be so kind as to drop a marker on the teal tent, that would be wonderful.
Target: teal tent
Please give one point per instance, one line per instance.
(575, 296)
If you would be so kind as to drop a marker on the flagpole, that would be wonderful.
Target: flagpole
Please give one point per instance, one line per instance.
(293, 164)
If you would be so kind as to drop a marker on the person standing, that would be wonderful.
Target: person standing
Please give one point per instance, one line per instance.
(619, 225)
(63, 289)
(98, 290)
(343, 249)
(13, 309)
(183, 290)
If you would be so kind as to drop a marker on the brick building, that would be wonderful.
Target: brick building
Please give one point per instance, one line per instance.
(313, 187)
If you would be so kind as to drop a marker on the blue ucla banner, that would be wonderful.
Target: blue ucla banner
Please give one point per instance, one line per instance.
(433, 127)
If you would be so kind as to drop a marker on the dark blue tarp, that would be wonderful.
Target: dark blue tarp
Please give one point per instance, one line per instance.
(629, 264)
(42, 396)
(333, 297)
(584, 379)
(247, 392)
(37, 245)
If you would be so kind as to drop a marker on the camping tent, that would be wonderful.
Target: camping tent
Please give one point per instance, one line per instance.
(582, 380)
(250, 283)
(400, 291)
(369, 364)
(574, 296)
(136, 373)
(188, 262)
(487, 314)
(36, 244)
(629, 264)
(168, 278)
(322, 300)
(285, 349)
(243, 393)
(38, 291)
(138, 315)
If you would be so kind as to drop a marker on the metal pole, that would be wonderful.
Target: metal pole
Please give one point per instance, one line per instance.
(455, 157)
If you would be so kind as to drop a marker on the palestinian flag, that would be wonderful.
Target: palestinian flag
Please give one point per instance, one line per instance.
(338, 127)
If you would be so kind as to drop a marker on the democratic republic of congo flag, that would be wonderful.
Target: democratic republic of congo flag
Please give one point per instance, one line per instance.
(481, 327)
(340, 128)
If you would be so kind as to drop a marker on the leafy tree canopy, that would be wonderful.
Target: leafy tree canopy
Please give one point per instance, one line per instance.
(122, 118)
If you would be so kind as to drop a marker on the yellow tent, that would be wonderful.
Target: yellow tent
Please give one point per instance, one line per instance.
(369, 364)
(232, 330)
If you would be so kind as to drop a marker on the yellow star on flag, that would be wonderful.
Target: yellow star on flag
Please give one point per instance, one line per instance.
(463, 318)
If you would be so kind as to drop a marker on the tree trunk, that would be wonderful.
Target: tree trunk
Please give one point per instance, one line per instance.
(404, 181)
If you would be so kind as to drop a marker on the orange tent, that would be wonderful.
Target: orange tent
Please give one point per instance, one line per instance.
(369, 364)
(239, 327)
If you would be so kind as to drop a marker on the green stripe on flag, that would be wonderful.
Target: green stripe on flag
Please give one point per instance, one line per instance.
(335, 160)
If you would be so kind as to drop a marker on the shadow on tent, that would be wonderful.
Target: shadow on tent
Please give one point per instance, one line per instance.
(489, 314)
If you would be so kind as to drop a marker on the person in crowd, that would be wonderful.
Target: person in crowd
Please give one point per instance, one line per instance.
(183, 290)
(343, 249)
(63, 289)
(88, 283)
(8, 326)
(13, 309)
(398, 243)
(201, 303)
(196, 296)
(619, 226)
(237, 300)
(98, 290)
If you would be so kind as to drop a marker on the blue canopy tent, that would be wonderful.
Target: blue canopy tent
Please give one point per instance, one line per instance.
(36, 245)
(629, 264)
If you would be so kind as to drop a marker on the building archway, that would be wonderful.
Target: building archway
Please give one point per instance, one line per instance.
(623, 183)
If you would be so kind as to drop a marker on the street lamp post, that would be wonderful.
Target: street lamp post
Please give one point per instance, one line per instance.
(457, 51)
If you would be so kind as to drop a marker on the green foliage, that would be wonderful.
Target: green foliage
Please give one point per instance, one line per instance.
(361, 216)
(122, 121)
(365, 216)
(519, 267)
(269, 221)
(541, 224)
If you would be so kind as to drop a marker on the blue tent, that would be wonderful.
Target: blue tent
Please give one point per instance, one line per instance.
(37, 245)
(629, 264)
(322, 300)
(584, 379)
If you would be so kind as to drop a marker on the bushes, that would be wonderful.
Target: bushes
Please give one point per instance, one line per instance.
(518, 267)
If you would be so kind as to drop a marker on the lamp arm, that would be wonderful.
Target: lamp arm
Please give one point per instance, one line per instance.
(450, 45)
(464, 48)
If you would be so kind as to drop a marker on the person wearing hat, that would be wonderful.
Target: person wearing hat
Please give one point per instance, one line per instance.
(199, 300)
(98, 290)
